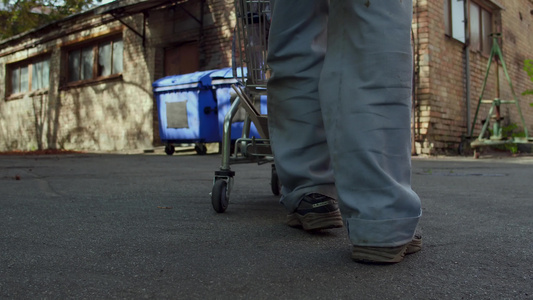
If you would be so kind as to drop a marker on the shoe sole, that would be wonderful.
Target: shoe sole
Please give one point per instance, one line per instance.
(414, 246)
(385, 255)
(315, 221)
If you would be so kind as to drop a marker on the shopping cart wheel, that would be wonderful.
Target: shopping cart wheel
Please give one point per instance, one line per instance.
(275, 183)
(169, 149)
(219, 196)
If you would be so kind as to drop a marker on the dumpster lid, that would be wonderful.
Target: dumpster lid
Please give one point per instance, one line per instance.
(227, 73)
(222, 73)
(196, 79)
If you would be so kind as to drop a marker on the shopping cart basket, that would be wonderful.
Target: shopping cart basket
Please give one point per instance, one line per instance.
(251, 71)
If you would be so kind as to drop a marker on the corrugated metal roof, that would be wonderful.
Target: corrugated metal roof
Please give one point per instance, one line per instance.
(126, 7)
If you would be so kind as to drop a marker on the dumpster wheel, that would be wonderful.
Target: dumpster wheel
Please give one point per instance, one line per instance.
(219, 196)
(169, 149)
(200, 148)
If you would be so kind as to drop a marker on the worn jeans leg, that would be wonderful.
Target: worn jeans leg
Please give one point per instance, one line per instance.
(296, 51)
(365, 93)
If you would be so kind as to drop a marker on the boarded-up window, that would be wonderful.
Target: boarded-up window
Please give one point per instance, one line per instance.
(480, 28)
(447, 18)
(475, 27)
(486, 31)
(182, 59)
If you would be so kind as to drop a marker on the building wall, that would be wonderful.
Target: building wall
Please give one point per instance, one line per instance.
(441, 101)
(113, 114)
(121, 114)
(116, 113)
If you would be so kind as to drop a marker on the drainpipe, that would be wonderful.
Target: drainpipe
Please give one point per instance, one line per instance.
(416, 56)
(201, 58)
(467, 66)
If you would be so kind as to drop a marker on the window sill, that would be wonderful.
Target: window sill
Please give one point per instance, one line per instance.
(83, 83)
(454, 40)
(27, 94)
(480, 53)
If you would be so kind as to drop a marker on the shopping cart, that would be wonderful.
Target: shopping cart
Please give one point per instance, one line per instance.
(252, 73)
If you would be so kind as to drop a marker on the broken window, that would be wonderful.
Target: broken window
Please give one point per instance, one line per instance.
(110, 57)
(95, 60)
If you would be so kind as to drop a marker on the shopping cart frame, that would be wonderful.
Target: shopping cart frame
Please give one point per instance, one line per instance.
(252, 73)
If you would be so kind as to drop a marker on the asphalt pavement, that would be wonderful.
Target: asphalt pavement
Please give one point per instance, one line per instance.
(141, 226)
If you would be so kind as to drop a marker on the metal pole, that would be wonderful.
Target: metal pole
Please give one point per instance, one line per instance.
(226, 136)
(467, 66)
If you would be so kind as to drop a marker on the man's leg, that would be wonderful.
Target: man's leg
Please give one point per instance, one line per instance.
(365, 91)
(296, 51)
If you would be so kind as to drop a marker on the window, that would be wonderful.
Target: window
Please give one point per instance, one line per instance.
(480, 23)
(486, 31)
(40, 78)
(29, 75)
(96, 60)
(480, 28)
(454, 19)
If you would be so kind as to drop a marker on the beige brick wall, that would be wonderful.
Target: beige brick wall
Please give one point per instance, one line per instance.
(116, 114)
(440, 89)
(109, 115)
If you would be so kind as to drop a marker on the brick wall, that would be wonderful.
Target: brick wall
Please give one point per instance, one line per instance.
(211, 26)
(440, 111)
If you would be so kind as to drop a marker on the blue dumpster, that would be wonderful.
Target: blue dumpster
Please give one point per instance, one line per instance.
(187, 110)
(221, 81)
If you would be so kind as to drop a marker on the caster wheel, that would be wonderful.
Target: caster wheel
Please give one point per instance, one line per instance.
(275, 183)
(200, 149)
(464, 148)
(219, 196)
(169, 149)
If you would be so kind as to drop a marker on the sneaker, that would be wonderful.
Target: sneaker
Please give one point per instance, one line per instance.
(386, 255)
(316, 212)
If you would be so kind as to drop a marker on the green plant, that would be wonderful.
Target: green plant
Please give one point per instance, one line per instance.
(509, 130)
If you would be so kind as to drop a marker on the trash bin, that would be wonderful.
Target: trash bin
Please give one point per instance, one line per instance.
(221, 81)
(187, 110)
